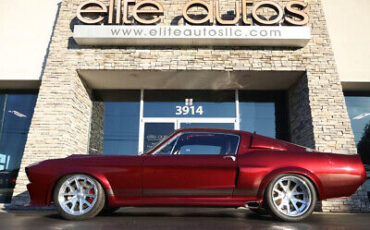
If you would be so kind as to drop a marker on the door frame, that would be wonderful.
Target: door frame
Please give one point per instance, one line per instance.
(178, 120)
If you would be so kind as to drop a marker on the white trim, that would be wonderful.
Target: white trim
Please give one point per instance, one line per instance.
(188, 120)
(237, 111)
(141, 124)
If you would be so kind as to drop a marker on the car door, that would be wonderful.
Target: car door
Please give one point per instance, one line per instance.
(192, 164)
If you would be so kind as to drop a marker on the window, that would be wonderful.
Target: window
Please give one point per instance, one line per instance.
(206, 144)
(358, 106)
(264, 112)
(156, 132)
(121, 121)
(136, 120)
(16, 111)
(16, 115)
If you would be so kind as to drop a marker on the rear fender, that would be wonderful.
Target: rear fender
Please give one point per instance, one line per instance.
(301, 171)
(98, 176)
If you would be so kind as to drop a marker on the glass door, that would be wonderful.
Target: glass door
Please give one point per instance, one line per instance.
(163, 111)
(154, 132)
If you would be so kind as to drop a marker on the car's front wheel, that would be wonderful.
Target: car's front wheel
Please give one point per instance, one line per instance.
(78, 197)
(291, 197)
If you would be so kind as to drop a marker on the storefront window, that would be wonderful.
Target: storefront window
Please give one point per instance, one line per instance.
(155, 132)
(129, 131)
(16, 112)
(358, 106)
(264, 113)
(258, 117)
(121, 122)
(359, 112)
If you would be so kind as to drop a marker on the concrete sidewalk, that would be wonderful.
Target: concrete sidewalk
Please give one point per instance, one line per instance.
(180, 219)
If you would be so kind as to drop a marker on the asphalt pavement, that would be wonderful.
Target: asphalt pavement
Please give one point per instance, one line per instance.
(179, 219)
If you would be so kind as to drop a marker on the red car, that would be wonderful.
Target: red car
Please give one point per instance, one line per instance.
(198, 167)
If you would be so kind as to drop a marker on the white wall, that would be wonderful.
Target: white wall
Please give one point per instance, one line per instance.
(349, 29)
(26, 27)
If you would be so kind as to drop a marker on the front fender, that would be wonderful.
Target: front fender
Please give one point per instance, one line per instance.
(297, 170)
(98, 176)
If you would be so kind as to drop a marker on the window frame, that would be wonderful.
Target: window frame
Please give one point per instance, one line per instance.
(178, 135)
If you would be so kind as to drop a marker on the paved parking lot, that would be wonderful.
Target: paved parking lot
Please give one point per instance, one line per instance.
(179, 219)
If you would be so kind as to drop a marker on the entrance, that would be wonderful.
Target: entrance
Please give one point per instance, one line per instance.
(135, 120)
(163, 112)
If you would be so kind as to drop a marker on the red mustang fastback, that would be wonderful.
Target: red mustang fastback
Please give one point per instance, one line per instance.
(198, 167)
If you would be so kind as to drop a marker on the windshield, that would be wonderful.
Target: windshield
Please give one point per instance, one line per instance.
(158, 144)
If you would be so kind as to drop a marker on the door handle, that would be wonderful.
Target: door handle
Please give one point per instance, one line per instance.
(231, 157)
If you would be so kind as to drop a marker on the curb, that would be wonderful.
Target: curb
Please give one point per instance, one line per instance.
(9, 207)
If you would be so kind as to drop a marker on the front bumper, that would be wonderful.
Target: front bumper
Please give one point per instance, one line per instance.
(38, 194)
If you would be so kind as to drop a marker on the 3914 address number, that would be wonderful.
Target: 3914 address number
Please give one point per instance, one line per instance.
(189, 110)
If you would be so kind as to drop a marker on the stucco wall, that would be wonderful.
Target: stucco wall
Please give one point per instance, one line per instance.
(349, 30)
(26, 27)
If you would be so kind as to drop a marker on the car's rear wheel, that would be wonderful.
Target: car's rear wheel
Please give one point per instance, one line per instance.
(291, 197)
(78, 197)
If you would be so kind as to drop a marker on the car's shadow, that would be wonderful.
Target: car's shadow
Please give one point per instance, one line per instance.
(179, 219)
(168, 212)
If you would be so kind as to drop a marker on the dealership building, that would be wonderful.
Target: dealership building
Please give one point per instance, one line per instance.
(114, 77)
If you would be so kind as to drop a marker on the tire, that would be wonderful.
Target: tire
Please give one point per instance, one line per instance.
(291, 203)
(108, 211)
(78, 197)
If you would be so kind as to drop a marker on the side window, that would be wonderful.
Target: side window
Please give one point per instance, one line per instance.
(206, 144)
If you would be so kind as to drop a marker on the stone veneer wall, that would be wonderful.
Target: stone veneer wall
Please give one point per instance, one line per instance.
(62, 116)
(299, 114)
(97, 129)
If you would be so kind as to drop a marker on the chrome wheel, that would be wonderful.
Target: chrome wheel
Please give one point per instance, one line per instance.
(291, 196)
(78, 195)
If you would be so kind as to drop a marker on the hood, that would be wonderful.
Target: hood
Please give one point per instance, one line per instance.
(83, 156)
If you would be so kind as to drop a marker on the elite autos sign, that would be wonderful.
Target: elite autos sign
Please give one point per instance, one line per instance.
(93, 12)
(129, 22)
